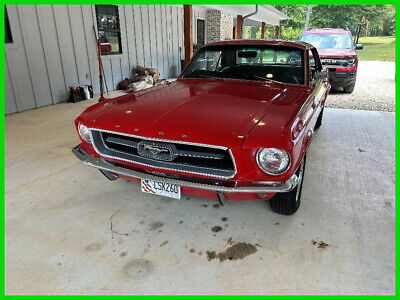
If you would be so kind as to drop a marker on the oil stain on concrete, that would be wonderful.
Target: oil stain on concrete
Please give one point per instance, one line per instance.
(156, 225)
(137, 268)
(237, 251)
(93, 247)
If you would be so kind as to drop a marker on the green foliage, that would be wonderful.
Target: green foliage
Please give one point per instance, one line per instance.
(296, 13)
(377, 26)
(377, 48)
(371, 17)
(388, 23)
(374, 19)
(287, 33)
(295, 26)
(291, 33)
(252, 32)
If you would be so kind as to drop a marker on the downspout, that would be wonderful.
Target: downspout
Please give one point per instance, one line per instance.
(245, 17)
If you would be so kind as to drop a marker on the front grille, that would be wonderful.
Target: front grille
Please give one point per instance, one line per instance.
(331, 61)
(217, 182)
(336, 61)
(171, 155)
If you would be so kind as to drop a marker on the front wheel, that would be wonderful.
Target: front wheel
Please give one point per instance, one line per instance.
(288, 203)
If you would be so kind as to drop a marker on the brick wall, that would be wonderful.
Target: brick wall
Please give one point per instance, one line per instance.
(219, 26)
(226, 26)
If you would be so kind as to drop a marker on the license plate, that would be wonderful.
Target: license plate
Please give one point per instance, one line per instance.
(161, 188)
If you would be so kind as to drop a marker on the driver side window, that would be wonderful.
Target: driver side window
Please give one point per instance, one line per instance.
(208, 61)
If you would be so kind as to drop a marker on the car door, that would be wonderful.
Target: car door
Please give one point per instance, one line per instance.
(317, 78)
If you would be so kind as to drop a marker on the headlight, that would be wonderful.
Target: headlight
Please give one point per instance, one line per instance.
(351, 61)
(84, 132)
(273, 161)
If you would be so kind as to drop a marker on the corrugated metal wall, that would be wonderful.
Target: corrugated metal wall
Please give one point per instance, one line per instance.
(54, 48)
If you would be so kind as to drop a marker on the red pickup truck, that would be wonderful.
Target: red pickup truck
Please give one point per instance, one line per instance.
(236, 124)
(337, 52)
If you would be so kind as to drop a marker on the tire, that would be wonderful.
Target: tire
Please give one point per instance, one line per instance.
(288, 203)
(350, 88)
(319, 120)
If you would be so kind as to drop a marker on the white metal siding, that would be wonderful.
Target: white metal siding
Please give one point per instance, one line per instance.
(54, 48)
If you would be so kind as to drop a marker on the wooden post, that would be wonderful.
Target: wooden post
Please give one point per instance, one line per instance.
(188, 31)
(239, 21)
(263, 30)
(277, 32)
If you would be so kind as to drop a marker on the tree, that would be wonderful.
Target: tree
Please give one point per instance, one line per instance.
(309, 11)
(374, 19)
(295, 26)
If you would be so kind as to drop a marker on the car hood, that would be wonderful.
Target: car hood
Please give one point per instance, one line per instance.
(336, 52)
(215, 112)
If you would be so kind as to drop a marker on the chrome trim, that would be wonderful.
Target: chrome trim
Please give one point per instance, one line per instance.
(132, 145)
(269, 173)
(181, 153)
(234, 162)
(158, 167)
(161, 140)
(276, 187)
(135, 145)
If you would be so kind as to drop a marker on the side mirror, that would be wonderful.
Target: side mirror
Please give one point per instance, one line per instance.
(323, 74)
(359, 46)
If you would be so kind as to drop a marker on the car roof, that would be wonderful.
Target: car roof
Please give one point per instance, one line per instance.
(275, 42)
(326, 31)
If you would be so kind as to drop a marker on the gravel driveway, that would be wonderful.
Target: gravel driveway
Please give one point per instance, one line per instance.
(375, 88)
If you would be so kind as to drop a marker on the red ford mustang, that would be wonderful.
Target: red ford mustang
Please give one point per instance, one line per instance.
(236, 124)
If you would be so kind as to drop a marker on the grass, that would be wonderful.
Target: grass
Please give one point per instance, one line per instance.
(377, 48)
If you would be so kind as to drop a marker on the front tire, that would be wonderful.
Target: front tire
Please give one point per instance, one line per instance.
(288, 203)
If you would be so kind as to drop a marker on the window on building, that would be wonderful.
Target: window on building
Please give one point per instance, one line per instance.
(8, 38)
(200, 32)
(108, 29)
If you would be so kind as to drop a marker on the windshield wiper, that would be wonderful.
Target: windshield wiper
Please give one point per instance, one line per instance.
(267, 79)
(208, 76)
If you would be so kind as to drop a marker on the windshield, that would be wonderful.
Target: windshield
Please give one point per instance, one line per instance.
(248, 62)
(328, 41)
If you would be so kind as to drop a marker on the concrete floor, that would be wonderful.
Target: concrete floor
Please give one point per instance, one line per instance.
(375, 88)
(58, 237)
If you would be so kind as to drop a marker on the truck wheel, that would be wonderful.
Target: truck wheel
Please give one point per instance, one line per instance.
(350, 88)
(319, 120)
(288, 203)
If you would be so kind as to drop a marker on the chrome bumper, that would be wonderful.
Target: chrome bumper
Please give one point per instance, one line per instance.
(267, 186)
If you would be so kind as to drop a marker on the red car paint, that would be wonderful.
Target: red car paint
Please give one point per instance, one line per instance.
(346, 75)
(332, 53)
(241, 115)
(105, 48)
